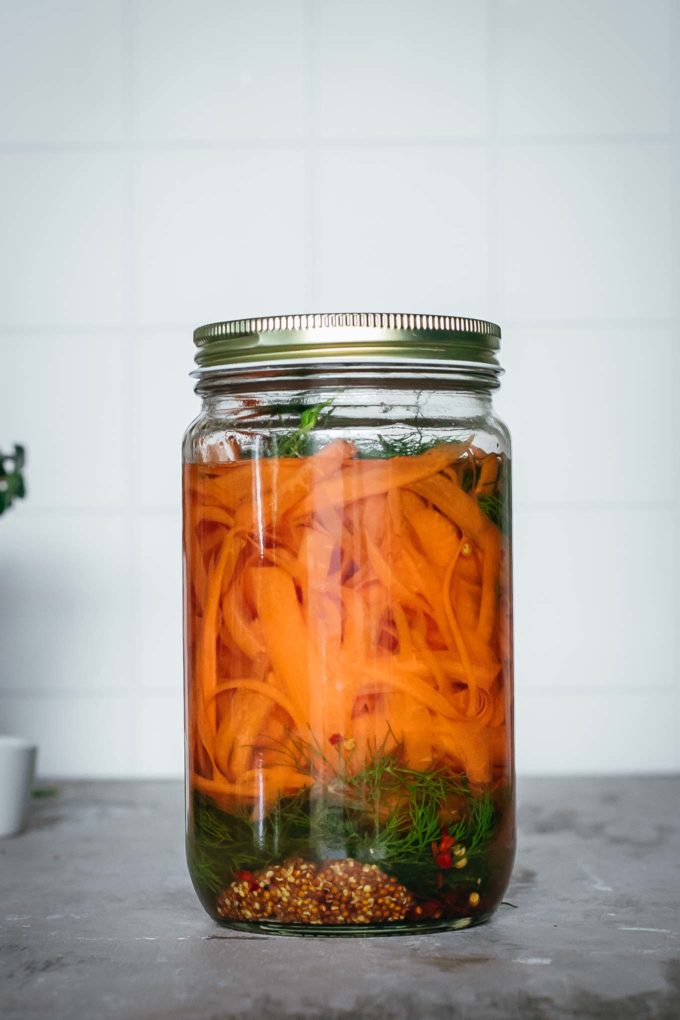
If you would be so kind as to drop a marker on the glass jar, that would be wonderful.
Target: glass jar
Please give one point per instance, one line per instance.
(348, 641)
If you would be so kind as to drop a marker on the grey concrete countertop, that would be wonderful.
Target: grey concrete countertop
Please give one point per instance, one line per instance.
(98, 920)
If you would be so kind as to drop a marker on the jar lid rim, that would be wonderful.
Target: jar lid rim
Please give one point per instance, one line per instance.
(340, 335)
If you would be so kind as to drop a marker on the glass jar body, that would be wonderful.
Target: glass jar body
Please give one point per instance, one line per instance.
(348, 649)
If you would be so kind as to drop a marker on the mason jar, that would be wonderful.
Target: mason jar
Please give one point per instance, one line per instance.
(348, 638)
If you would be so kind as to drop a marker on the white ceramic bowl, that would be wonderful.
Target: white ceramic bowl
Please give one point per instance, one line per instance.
(17, 769)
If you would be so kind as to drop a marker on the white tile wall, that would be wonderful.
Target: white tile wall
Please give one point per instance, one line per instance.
(584, 230)
(593, 732)
(585, 67)
(596, 598)
(163, 405)
(400, 70)
(63, 242)
(597, 451)
(165, 164)
(219, 230)
(76, 736)
(62, 69)
(65, 597)
(213, 70)
(61, 395)
(402, 227)
(157, 735)
(158, 603)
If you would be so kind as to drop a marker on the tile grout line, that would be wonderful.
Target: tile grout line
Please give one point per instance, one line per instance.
(603, 505)
(311, 160)
(493, 160)
(131, 394)
(561, 690)
(673, 43)
(358, 142)
(84, 693)
(117, 512)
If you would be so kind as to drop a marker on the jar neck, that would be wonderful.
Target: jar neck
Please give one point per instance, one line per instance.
(472, 385)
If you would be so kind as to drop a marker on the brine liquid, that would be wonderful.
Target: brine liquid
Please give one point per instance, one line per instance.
(348, 669)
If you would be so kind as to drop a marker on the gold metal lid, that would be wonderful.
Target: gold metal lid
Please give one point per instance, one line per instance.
(348, 336)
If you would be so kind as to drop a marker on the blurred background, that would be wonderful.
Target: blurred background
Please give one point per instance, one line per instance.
(165, 163)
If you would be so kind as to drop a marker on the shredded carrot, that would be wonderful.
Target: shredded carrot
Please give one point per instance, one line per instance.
(269, 690)
(334, 597)
(285, 632)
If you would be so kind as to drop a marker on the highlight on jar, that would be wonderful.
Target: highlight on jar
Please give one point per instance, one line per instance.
(349, 683)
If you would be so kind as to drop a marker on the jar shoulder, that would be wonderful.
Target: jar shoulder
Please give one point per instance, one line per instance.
(379, 423)
(498, 427)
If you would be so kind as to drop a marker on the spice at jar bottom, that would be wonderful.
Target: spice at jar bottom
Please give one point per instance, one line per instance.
(299, 891)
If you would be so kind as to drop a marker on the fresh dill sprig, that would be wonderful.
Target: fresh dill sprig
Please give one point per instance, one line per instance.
(204, 870)
(481, 824)
(493, 505)
(468, 478)
(385, 813)
(407, 444)
(296, 444)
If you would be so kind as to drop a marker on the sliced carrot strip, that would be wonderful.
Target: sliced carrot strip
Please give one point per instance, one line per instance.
(370, 479)
(331, 595)
(285, 632)
(269, 690)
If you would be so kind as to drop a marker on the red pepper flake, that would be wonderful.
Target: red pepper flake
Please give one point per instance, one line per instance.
(335, 738)
(442, 848)
(247, 876)
(443, 860)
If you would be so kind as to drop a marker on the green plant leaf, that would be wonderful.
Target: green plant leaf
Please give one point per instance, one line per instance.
(12, 485)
